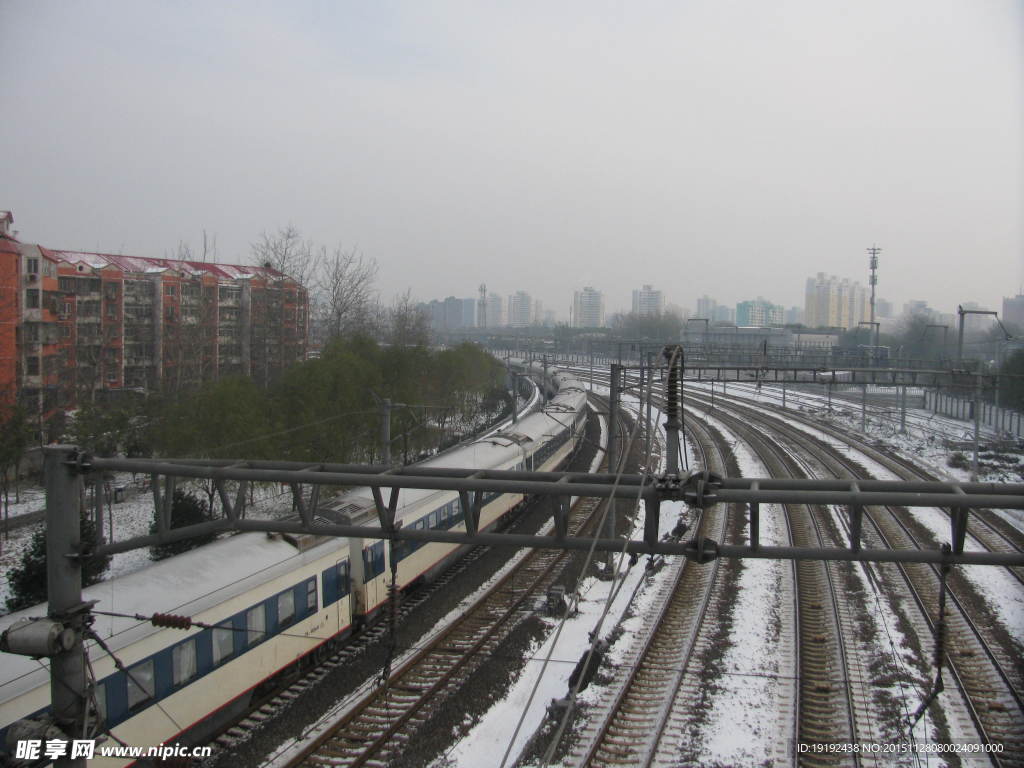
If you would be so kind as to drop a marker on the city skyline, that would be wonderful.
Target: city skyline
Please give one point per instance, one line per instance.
(795, 138)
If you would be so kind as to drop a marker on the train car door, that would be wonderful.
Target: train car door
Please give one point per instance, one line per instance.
(357, 586)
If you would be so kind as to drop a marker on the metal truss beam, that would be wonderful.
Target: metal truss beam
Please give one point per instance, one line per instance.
(697, 490)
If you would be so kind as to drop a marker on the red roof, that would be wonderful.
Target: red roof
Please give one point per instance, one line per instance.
(8, 244)
(147, 264)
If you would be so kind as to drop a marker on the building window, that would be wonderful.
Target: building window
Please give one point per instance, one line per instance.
(169, 290)
(32, 366)
(183, 661)
(256, 624)
(65, 331)
(32, 266)
(285, 608)
(66, 284)
(32, 298)
(140, 684)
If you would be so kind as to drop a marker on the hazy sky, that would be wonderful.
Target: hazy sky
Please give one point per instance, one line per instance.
(728, 147)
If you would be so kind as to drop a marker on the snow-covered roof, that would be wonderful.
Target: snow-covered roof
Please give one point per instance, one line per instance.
(146, 264)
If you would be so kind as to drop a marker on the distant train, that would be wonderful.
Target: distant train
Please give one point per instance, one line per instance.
(277, 602)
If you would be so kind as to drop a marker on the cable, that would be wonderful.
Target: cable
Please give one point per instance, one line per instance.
(122, 668)
(595, 633)
(568, 610)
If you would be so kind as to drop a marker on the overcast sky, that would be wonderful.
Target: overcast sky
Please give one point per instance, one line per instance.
(727, 147)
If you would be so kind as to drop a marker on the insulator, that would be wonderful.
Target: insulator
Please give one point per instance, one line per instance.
(172, 621)
(37, 638)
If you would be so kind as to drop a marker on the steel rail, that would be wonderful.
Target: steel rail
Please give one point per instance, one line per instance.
(600, 743)
(771, 454)
(834, 460)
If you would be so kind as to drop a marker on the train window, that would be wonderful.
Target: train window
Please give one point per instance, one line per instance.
(223, 641)
(183, 661)
(285, 608)
(255, 624)
(311, 596)
(343, 587)
(101, 702)
(140, 684)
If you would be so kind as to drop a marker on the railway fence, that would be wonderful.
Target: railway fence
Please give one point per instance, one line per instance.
(991, 415)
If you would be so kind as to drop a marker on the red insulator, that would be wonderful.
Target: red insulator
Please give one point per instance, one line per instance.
(171, 621)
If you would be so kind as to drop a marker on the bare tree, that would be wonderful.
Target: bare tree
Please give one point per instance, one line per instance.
(346, 288)
(288, 253)
(408, 325)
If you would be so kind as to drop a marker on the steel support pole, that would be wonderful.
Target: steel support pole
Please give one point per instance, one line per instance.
(672, 405)
(783, 394)
(64, 591)
(613, 455)
(385, 430)
(544, 385)
(977, 427)
(864, 408)
(648, 423)
(960, 341)
(903, 409)
(613, 418)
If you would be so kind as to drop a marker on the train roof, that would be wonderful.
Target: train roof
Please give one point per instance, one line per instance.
(215, 573)
(202, 578)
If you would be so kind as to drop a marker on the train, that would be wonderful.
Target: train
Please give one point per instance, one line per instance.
(276, 603)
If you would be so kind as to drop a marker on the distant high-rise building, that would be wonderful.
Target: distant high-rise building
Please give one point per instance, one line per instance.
(759, 312)
(723, 314)
(588, 308)
(451, 314)
(495, 310)
(520, 310)
(794, 316)
(883, 308)
(706, 307)
(468, 312)
(648, 302)
(1013, 311)
(832, 302)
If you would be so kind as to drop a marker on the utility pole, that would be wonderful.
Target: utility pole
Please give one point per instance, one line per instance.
(544, 383)
(864, 408)
(960, 342)
(977, 427)
(64, 591)
(613, 417)
(613, 456)
(672, 407)
(903, 409)
(873, 280)
(385, 430)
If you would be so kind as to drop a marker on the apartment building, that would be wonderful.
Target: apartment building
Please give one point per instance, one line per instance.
(88, 322)
(648, 302)
(831, 302)
(588, 308)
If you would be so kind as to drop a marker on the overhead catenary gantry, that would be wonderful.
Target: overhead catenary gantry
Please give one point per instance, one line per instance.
(695, 489)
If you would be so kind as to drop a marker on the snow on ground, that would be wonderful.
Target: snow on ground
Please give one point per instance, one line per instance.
(757, 662)
(1000, 590)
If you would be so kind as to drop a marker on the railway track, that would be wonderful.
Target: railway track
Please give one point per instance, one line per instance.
(377, 728)
(627, 726)
(982, 668)
(657, 690)
(986, 672)
(833, 694)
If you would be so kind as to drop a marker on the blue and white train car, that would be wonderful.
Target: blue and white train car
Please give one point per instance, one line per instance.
(276, 601)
